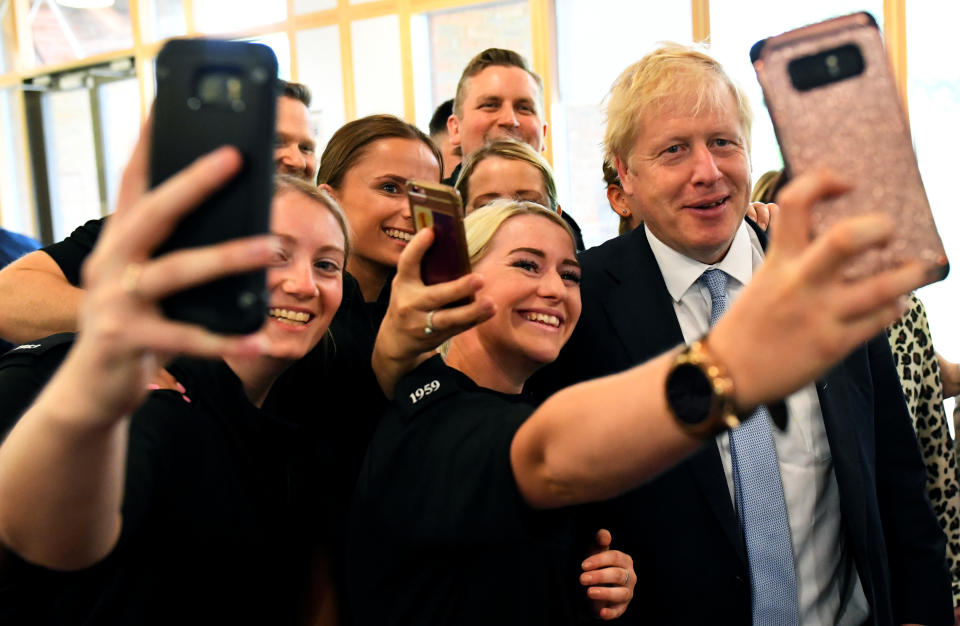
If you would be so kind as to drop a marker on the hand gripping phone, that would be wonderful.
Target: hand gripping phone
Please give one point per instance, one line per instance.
(834, 105)
(439, 207)
(212, 93)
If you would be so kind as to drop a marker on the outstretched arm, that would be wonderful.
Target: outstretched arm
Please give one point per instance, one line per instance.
(36, 299)
(62, 465)
(561, 458)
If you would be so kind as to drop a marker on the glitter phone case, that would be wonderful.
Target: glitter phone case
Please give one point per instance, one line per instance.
(440, 207)
(834, 105)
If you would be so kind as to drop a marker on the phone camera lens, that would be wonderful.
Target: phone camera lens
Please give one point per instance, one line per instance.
(833, 65)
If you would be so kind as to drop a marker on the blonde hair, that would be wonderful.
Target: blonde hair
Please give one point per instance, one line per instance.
(483, 224)
(658, 79)
(515, 151)
(285, 183)
(767, 187)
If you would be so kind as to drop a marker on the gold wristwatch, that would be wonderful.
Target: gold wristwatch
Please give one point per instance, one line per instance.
(700, 392)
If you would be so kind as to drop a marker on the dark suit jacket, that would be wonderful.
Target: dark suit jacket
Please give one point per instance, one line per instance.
(681, 528)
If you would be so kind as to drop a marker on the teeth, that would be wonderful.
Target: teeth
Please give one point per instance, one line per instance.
(550, 320)
(398, 234)
(712, 204)
(285, 315)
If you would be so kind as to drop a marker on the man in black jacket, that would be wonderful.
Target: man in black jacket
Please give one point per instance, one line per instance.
(823, 520)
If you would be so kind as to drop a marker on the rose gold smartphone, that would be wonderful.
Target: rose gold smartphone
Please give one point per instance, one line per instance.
(439, 207)
(834, 105)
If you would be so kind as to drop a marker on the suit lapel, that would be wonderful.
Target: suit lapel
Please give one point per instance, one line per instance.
(641, 312)
(639, 306)
(839, 405)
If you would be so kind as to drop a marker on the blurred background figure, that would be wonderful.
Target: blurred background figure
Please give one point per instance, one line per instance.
(441, 136)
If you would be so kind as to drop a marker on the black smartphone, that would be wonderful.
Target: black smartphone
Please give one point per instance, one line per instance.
(212, 93)
(835, 105)
(440, 207)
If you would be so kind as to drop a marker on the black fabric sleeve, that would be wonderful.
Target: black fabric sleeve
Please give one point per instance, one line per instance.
(70, 253)
(23, 373)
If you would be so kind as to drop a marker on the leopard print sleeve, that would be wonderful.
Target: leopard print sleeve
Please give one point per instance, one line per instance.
(919, 371)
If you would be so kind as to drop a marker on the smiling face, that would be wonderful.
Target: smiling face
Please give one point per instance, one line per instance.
(531, 274)
(497, 177)
(689, 176)
(500, 101)
(294, 150)
(373, 197)
(306, 291)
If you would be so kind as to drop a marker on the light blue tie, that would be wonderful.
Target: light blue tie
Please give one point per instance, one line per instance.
(758, 491)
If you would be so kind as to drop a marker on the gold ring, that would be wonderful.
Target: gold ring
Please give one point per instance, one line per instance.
(131, 279)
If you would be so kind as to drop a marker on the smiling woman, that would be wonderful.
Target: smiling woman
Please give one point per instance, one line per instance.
(115, 495)
(364, 167)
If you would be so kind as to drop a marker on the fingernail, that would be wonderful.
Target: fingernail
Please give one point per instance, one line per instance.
(586, 579)
(588, 564)
(181, 388)
(153, 386)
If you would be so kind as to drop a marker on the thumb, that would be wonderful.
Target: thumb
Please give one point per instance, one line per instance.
(601, 541)
(408, 266)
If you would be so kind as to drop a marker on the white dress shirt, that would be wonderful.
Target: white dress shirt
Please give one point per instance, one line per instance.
(828, 587)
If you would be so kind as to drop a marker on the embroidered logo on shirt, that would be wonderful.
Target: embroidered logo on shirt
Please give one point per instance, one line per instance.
(422, 392)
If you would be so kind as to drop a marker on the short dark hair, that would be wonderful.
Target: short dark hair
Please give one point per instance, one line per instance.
(438, 123)
(297, 91)
(491, 57)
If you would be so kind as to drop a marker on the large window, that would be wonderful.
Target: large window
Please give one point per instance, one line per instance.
(14, 192)
(934, 95)
(85, 124)
(735, 25)
(445, 41)
(586, 72)
(62, 33)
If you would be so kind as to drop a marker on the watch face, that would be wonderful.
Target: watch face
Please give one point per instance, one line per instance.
(689, 394)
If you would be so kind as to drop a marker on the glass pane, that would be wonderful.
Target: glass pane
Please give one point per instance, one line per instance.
(318, 52)
(71, 160)
(168, 19)
(62, 34)
(933, 89)
(120, 121)
(15, 205)
(221, 16)
(307, 6)
(377, 73)
(6, 35)
(586, 72)
(445, 41)
(732, 36)
(280, 45)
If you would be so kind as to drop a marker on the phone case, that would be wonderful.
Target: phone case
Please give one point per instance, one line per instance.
(212, 93)
(440, 207)
(834, 105)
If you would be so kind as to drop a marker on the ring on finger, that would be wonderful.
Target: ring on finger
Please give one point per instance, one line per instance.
(429, 329)
(626, 578)
(130, 282)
